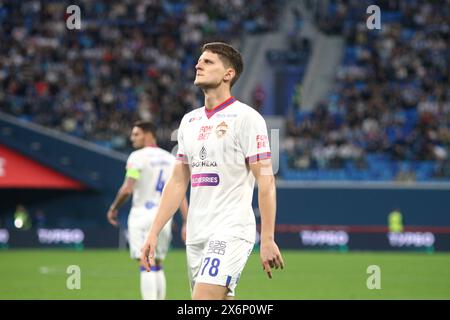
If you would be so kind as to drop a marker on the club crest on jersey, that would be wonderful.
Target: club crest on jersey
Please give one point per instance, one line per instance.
(221, 129)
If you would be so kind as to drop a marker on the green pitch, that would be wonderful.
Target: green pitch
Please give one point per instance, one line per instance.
(110, 274)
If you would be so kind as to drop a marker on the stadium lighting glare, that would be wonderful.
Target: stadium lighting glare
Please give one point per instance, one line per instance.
(18, 223)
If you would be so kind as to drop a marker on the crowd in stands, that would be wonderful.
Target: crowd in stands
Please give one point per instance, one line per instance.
(391, 100)
(134, 59)
(130, 60)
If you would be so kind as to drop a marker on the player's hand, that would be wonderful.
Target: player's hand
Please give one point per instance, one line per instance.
(112, 217)
(270, 257)
(148, 252)
(183, 232)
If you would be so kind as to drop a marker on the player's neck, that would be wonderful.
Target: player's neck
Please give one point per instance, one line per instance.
(213, 98)
(150, 143)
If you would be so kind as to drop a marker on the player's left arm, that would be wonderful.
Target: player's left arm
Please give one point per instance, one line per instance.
(125, 191)
(269, 253)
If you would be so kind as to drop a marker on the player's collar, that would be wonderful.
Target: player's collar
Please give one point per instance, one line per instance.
(151, 146)
(223, 105)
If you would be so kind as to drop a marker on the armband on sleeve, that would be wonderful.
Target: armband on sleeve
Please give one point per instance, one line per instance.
(133, 173)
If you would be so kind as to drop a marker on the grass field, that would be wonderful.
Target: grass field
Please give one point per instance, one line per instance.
(110, 274)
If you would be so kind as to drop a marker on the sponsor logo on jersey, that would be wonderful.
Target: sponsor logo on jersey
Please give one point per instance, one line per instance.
(217, 247)
(203, 163)
(205, 180)
(195, 118)
(220, 115)
(262, 141)
(221, 129)
(149, 205)
(203, 153)
(205, 132)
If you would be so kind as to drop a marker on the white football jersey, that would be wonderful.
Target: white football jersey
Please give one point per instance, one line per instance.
(155, 166)
(218, 145)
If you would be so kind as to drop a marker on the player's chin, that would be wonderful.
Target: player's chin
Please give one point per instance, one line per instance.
(199, 83)
(205, 85)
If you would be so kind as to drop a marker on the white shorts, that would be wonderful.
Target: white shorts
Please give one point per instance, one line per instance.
(220, 261)
(139, 224)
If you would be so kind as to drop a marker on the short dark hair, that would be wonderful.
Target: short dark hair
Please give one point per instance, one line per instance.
(146, 126)
(229, 56)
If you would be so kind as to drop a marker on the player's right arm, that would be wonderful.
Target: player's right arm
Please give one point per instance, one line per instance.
(122, 195)
(133, 172)
(173, 194)
(184, 211)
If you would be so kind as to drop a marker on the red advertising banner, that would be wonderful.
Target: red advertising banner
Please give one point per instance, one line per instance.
(18, 171)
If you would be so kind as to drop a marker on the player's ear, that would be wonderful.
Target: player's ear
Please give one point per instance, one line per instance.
(229, 74)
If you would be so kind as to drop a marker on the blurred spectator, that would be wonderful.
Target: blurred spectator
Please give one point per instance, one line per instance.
(259, 96)
(297, 97)
(405, 176)
(442, 170)
(40, 219)
(395, 221)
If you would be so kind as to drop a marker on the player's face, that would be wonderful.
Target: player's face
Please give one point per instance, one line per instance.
(137, 138)
(210, 71)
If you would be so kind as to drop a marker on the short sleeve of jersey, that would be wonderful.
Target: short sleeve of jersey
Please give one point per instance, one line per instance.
(134, 165)
(181, 153)
(134, 161)
(253, 138)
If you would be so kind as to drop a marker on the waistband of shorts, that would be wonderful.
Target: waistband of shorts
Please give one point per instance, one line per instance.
(215, 237)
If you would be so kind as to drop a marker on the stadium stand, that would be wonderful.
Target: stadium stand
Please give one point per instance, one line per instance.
(388, 117)
(132, 59)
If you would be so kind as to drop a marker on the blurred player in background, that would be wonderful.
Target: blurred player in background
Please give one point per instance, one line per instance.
(146, 172)
(222, 148)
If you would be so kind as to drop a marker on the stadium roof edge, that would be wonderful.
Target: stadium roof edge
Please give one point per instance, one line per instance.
(63, 136)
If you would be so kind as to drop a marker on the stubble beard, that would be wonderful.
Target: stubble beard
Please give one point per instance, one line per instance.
(208, 86)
